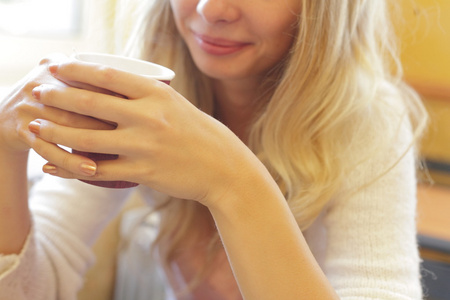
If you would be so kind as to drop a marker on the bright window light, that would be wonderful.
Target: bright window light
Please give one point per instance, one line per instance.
(40, 18)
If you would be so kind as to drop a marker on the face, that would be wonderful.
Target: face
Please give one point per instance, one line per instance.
(236, 39)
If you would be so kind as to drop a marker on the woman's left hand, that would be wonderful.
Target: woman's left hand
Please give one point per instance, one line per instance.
(163, 141)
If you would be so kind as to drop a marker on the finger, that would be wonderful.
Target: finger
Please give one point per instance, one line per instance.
(34, 109)
(58, 58)
(62, 159)
(83, 122)
(88, 87)
(106, 171)
(53, 58)
(40, 75)
(85, 140)
(59, 171)
(88, 103)
(71, 119)
(120, 82)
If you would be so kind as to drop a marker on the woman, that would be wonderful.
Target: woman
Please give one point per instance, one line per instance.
(291, 176)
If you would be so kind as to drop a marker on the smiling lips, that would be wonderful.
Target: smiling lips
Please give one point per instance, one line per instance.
(218, 46)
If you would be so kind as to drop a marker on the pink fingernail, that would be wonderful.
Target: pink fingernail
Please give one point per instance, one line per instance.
(53, 68)
(35, 126)
(36, 92)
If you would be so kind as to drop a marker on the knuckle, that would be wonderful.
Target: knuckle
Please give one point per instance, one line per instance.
(22, 134)
(148, 172)
(25, 137)
(156, 119)
(86, 143)
(107, 75)
(47, 132)
(30, 85)
(86, 102)
(65, 66)
(66, 118)
(65, 161)
(48, 92)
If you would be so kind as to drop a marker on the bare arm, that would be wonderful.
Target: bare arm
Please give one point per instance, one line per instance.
(17, 110)
(14, 213)
(267, 251)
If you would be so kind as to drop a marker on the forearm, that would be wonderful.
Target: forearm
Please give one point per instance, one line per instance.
(14, 213)
(266, 249)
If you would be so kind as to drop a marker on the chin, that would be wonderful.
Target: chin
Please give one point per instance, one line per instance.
(224, 74)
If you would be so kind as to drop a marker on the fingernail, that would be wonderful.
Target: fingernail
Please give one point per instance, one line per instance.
(89, 169)
(49, 169)
(53, 69)
(35, 126)
(36, 92)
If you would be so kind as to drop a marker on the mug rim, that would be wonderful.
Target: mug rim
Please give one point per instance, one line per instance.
(141, 67)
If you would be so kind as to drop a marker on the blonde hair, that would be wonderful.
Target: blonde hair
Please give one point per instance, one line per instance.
(341, 78)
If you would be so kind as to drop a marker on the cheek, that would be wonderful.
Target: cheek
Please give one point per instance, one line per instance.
(183, 8)
(179, 12)
(280, 38)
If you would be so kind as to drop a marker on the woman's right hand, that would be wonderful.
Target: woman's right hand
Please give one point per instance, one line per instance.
(19, 108)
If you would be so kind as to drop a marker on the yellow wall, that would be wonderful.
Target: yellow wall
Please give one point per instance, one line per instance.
(425, 36)
(424, 30)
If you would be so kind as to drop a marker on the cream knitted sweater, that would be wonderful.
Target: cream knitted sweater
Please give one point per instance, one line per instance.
(365, 243)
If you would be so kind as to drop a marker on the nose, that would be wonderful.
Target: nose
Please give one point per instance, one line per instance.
(213, 11)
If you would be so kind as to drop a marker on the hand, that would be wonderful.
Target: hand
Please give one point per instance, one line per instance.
(19, 108)
(162, 140)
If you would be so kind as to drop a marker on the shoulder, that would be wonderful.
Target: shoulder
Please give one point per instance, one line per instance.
(384, 143)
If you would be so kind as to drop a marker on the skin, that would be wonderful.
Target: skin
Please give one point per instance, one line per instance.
(18, 109)
(166, 135)
(236, 40)
(262, 31)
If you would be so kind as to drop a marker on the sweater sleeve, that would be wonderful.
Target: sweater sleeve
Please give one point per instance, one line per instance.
(67, 216)
(372, 251)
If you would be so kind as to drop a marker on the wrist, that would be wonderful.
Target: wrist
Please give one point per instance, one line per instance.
(246, 191)
(12, 156)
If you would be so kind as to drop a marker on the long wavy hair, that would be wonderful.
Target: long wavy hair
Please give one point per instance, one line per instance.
(341, 79)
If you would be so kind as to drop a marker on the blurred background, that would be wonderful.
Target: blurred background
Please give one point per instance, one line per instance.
(30, 29)
(424, 30)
